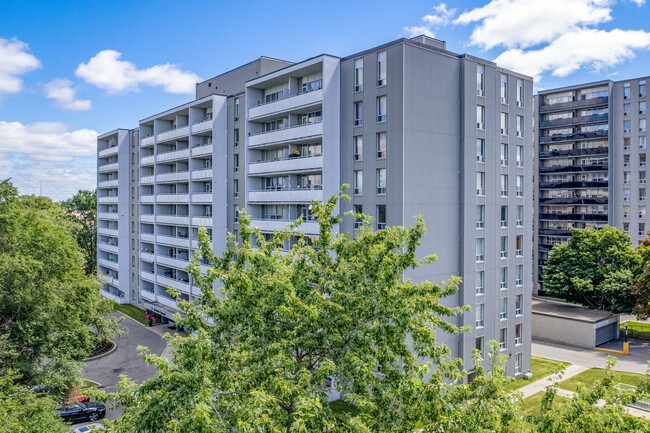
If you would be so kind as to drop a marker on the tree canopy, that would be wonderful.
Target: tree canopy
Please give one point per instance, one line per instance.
(641, 288)
(596, 268)
(82, 209)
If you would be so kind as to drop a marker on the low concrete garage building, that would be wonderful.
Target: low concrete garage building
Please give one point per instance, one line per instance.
(573, 325)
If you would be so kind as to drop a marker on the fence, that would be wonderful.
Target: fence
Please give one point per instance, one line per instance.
(636, 330)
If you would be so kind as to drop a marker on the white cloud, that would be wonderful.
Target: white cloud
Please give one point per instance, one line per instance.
(15, 61)
(46, 141)
(106, 71)
(60, 89)
(596, 49)
(439, 18)
(638, 2)
(525, 23)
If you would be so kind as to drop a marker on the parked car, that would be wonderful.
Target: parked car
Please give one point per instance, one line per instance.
(79, 412)
(88, 428)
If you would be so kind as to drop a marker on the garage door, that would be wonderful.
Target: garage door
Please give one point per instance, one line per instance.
(606, 333)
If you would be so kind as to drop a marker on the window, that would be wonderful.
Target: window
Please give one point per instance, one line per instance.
(520, 93)
(503, 308)
(503, 338)
(381, 181)
(641, 89)
(480, 80)
(518, 363)
(641, 229)
(504, 277)
(381, 216)
(207, 163)
(381, 108)
(504, 154)
(480, 117)
(381, 68)
(357, 147)
(480, 315)
(642, 106)
(504, 185)
(641, 211)
(504, 247)
(518, 305)
(626, 143)
(641, 194)
(642, 178)
(236, 109)
(520, 216)
(479, 345)
(504, 216)
(626, 109)
(236, 213)
(480, 183)
(480, 247)
(641, 125)
(358, 113)
(480, 150)
(520, 156)
(520, 126)
(519, 245)
(358, 75)
(235, 188)
(479, 282)
(504, 123)
(642, 160)
(359, 210)
(236, 137)
(520, 186)
(480, 216)
(236, 162)
(519, 275)
(626, 228)
(381, 145)
(518, 334)
(504, 89)
(358, 182)
(207, 211)
(626, 126)
(311, 86)
(642, 142)
(626, 91)
(626, 160)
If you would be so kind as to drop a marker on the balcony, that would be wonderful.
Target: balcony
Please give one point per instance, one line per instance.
(108, 264)
(573, 200)
(110, 280)
(148, 276)
(272, 225)
(287, 135)
(107, 183)
(108, 248)
(147, 160)
(573, 168)
(108, 152)
(574, 217)
(202, 174)
(204, 149)
(174, 262)
(147, 256)
(202, 126)
(287, 165)
(571, 105)
(168, 302)
(147, 141)
(173, 219)
(107, 216)
(173, 177)
(107, 167)
(147, 180)
(171, 156)
(107, 232)
(173, 240)
(594, 118)
(149, 198)
(148, 296)
(574, 152)
(571, 184)
(202, 197)
(288, 195)
(555, 232)
(107, 199)
(147, 237)
(147, 218)
(301, 100)
(173, 198)
(173, 134)
(573, 136)
(202, 221)
(176, 284)
(112, 296)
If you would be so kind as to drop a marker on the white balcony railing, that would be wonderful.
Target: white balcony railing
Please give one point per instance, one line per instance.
(167, 302)
(108, 152)
(147, 141)
(148, 276)
(108, 263)
(292, 133)
(204, 149)
(202, 197)
(147, 295)
(202, 221)
(293, 195)
(108, 248)
(174, 262)
(149, 198)
(107, 199)
(286, 104)
(173, 240)
(176, 284)
(286, 165)
(205, 125)
(202, 174)
(147, 256)
(149, 179)
(170, 156)
(107, 216)
(107, 167)
(147, 237)
(107, 231)
(107, 183)
(147, 160)
(271, 225)
(147, 218)
(173, 133)
(173, 219)
(173, 177)
(172, 198)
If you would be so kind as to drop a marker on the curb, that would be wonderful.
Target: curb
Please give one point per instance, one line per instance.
(103, 354)
(131, 318)
(96, 384)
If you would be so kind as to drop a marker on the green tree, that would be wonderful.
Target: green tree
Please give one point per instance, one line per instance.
(82, 209)
(23, 412)
(596, 268)
(48, 305)
(641, 287)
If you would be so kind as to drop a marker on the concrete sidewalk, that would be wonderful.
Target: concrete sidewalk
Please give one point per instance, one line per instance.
(631, 410)
(541, 384)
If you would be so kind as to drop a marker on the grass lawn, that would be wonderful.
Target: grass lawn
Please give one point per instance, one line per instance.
(132, 311)
(589, 377)
(639, 330)
(342, 408)
(88, 384)
(540, 367)
(532, 404)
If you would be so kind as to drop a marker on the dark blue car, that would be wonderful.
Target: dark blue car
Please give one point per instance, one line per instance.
(79, 412)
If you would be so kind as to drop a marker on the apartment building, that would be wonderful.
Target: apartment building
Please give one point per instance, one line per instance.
(413, 128)
(592, 157)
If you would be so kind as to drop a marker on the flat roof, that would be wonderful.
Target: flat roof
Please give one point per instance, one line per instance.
(569, 311)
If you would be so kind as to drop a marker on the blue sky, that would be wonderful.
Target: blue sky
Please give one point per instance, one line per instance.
(70, 70)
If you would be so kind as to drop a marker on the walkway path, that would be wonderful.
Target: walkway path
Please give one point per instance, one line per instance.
(631, 410)
(541, 384)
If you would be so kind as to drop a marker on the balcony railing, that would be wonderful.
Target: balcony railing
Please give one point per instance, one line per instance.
(573, 136)
(572, 184)
(574, 120)
(285, 165)
(574, 152)
(573, 168)
(574, 217)
(580, 103)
